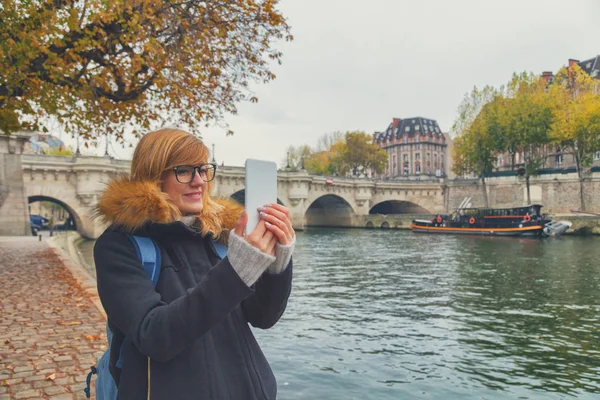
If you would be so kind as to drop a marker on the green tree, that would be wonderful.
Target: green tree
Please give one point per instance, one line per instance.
(576, 107)
(105, 66)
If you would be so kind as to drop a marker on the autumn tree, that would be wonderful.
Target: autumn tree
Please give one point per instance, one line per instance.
(362, 154)
(296, 157)
(474, 148)
(524, 119)
(575, 99)
(327, 140)
(102, 66)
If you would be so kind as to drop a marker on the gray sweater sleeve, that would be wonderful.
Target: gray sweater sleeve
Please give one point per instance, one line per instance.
(283, 255)
(248, 261)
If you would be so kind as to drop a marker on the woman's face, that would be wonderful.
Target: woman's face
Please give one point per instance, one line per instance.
(186, 196)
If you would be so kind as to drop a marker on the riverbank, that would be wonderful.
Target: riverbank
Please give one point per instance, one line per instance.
(583, 225)
(52, 326)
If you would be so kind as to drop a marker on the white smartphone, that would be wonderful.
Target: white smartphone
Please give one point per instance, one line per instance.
(261, 188)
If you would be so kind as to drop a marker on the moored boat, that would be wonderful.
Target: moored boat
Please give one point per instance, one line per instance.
(517, 221)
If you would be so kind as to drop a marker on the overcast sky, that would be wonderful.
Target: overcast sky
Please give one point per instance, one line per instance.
(355, 65)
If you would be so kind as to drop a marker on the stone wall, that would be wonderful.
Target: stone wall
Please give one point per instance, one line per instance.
(14, 216)
(14, 219)
(557, 193)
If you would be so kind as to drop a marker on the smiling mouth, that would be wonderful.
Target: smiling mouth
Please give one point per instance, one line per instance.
(193, 195)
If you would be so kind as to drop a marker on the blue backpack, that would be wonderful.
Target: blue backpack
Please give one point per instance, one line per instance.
(149, 254)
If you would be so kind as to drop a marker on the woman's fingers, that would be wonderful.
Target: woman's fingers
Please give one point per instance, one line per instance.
(271, 246)
(278, 216)
(261, 237)
(283, 237)
(240, 225)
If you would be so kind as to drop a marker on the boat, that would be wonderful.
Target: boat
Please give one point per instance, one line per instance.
(517, 221)
(556, 228)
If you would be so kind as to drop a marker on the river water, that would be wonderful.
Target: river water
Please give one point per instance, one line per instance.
(384, 314)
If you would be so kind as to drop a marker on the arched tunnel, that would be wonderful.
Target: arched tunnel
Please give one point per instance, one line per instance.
(329, 211)
(397, 207)
(71, 220)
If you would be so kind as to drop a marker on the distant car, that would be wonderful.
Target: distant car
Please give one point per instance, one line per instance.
(38, 220)
(35, 229)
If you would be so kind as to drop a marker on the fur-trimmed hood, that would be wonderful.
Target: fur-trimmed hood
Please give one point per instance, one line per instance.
(131, 205)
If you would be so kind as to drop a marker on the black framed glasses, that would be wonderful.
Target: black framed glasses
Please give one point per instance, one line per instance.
(187, 173)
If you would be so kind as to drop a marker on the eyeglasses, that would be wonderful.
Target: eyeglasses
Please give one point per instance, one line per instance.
(187, 173)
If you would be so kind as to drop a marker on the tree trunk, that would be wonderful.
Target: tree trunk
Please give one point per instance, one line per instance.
(486, 203)
(528, 190)
(581, 197)
(580, 175)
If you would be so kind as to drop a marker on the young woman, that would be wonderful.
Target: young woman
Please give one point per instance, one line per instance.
(189, 338)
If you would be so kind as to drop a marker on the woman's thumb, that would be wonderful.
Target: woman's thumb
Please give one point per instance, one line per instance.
(240, 225)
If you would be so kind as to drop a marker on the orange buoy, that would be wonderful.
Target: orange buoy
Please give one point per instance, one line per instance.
(439, 219)
(472, 220)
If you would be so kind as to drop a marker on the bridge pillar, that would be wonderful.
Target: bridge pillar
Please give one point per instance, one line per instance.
(297, 195)
(14, 211)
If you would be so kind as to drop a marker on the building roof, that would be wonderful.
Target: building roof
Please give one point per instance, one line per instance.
(591, 66)
(411, 127)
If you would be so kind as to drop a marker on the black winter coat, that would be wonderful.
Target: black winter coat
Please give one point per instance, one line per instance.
(190, 336)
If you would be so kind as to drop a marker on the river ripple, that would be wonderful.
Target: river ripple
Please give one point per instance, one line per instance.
(391, 314)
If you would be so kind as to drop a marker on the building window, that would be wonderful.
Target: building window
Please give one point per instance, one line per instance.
(417, 168)
(394, 164)
(418, 156)
(405, 157)
(597, 155)
(406, 167)
(559, 159)
(405, 139)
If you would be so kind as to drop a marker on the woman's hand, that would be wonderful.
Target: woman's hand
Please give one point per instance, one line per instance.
(260, 238)
(277, 220)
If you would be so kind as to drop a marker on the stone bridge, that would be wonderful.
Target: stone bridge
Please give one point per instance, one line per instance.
(76, 182)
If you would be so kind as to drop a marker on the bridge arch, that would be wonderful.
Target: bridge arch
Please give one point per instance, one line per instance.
(329, 210)
(398, 207)
(79, 211)
(70, 210)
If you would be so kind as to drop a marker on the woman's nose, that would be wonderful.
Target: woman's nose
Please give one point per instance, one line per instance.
(197, 181)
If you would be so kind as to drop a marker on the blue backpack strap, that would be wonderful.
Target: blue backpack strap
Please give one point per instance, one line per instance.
(220, 248)
(149, 254)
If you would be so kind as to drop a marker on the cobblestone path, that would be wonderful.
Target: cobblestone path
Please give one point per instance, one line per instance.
(50, 331)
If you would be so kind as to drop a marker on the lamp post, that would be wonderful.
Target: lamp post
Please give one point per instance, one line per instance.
(288, 160)
(77, 152)
(213, 153)
(106, 147)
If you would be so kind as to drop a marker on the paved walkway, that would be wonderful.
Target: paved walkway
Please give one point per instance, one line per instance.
(50, 329)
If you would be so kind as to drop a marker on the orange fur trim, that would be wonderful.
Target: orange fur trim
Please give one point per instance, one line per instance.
(229, 214)
(131, 204)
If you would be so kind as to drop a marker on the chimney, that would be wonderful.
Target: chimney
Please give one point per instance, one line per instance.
(572, 62)
(547, 75)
